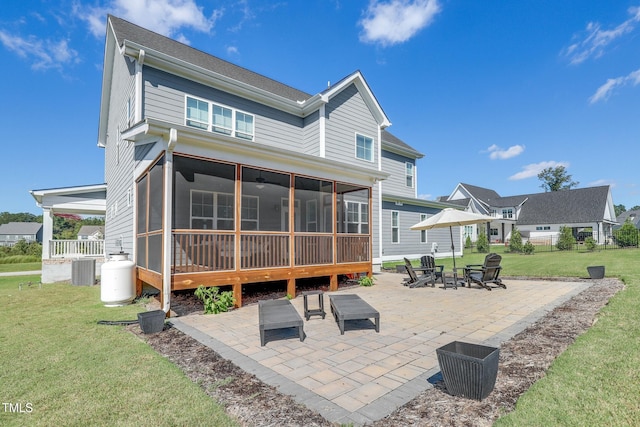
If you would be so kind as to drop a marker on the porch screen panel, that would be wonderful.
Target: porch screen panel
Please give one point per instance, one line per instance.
(203, 195)
(352, 223)
(156, 193)
(316, 205)
(141, 191)
(263, 194)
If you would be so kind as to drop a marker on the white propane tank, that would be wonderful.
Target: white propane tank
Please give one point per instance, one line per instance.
(117, 281)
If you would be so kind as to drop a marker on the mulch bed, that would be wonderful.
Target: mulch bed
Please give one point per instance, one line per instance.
(523, 360)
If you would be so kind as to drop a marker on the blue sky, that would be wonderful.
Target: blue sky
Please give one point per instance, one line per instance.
(491, 92)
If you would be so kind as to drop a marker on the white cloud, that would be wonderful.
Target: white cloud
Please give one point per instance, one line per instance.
(498, 153)
(232, 50)
(166, 17)
(600, 182)
(396, 21)
(606, 89)
(533, 169)
(595, 39)
(44, 53)
(425, 196)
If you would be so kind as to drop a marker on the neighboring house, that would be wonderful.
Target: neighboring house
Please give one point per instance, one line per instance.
(91, 232)
(587, 211)
(220, 176)
(11, 233)
(633, 217)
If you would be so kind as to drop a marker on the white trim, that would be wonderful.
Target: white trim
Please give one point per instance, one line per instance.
(210, 125)
(397, 226)
(322, 131)
(423, 232)
(139, 86)
(413, 174)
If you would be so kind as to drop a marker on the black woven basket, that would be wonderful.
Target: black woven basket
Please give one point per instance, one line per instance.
(469, 370)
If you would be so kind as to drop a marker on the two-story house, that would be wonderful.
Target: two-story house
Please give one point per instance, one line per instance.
(217, 175)
(11, 233)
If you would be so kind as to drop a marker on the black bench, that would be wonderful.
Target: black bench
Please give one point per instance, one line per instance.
(352, 307)
(278, 314)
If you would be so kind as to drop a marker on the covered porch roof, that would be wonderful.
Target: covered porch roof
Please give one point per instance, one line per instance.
(81, 200)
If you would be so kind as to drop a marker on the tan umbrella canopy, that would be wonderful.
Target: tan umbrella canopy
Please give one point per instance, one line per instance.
(450, 217)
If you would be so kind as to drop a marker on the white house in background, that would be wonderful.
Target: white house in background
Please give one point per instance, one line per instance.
(539, 216)
(91, 232)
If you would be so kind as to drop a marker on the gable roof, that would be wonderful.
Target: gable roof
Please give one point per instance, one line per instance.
(166, 54)
(480, 193)
(88, 230)
(20, 228)
(633, 216)
(565, 206)
(126, 31)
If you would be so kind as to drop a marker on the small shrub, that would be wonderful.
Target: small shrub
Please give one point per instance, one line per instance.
(366, 281)
(515, 244)
(289, 297)
(467, 242)
(215, 301)
(590, 243)
(528, 248)
(482, 245)
(566, 241)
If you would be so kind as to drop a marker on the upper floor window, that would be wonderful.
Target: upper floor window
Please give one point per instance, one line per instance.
(409, 173)
(364, 147)
(507, 213)
(224, 120)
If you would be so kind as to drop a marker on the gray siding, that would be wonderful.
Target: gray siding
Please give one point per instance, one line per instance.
(119, 159)
(396, 184)
(347, 114)
(410, 239)
(311, 134)
(165, 100)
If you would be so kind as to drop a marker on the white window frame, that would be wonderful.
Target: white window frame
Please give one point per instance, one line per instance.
(312, 215)
(507, 213)
(255, 220)
(423, 233)
(214, 214)
(231, 129)
(395, 225)
(371, 150)
(410, 174)
(362, 215)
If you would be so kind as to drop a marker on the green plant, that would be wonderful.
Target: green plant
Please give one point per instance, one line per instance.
(215, 301)
(566, 239)
(289, 296)
(627, 235)
(528, 248)
(483, 243)
(515, 244)
(590, 243)
(366, 280)
(467, 242)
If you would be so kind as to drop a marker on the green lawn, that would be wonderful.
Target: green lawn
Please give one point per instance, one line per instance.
(71, 371)
(65, 369)
(27, 266)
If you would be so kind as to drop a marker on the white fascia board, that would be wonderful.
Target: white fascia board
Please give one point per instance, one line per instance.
(368, 97)
(252, 150)
(107, 80)
(195, 73)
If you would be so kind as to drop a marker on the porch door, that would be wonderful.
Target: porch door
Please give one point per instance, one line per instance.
(284, 214)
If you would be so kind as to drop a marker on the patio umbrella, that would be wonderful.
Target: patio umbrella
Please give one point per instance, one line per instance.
(450, 217)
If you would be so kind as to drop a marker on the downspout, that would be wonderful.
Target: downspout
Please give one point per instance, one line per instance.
(167, 220)
(138, 87)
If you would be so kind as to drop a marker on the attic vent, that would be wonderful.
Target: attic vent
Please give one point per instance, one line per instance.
(399, 204)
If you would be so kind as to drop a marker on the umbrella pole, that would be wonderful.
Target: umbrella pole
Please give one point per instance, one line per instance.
(453, 251)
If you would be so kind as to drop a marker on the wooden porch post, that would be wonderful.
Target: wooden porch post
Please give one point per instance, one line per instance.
(291, 287)
(237, 294)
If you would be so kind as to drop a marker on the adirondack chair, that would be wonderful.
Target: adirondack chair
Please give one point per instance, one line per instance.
(485, 274)
(415, 281)
(428, 266)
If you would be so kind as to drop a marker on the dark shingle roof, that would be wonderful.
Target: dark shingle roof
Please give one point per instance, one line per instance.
(125, 30)
(20, 228)
(391, 141)
(565, 206)
(633, 216)
(484, 194)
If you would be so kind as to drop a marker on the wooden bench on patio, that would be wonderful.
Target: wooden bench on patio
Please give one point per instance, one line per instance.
(352, 307)
(278, 314)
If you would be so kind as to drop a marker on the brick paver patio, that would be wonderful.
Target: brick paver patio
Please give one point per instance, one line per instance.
(362, 376)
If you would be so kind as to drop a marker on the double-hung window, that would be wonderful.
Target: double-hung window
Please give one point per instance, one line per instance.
(364, 147)
(409, 173)
(357, 217)
(395, 227)
(423, 233)
(217, 118)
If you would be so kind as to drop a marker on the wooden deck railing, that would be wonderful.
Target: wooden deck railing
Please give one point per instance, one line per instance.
(353, 248)
(314, 249)
(76, 248)
(202, 252)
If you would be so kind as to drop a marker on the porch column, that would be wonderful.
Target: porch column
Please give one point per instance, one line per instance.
(47, 232)
(167, 220)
